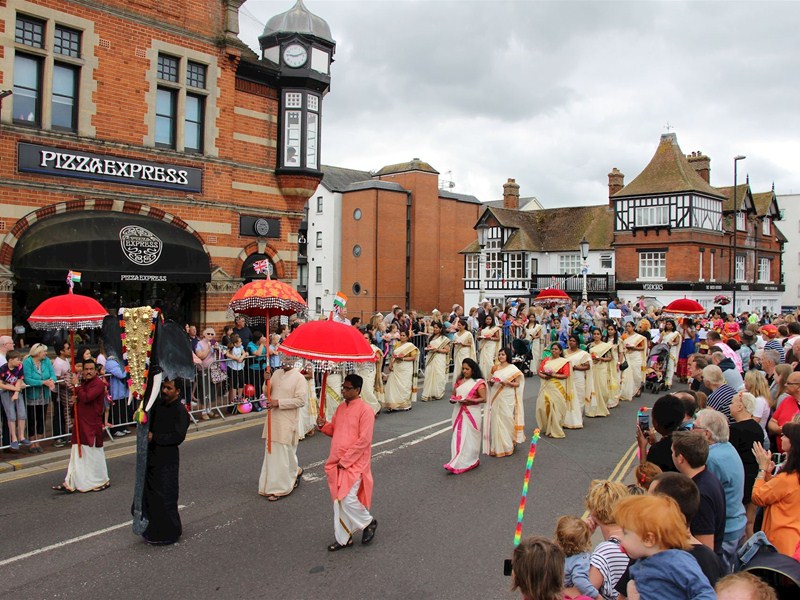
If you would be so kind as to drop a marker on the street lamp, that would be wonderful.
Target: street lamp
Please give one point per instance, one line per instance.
(736, 160)
(584, 255)
(483, 232)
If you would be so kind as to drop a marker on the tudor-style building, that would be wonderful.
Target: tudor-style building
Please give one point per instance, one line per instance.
(674, 234)
(146, 146)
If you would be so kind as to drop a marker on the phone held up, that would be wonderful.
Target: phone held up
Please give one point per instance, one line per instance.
(643, 418)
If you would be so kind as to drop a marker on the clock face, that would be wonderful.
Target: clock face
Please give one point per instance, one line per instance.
(295, 55)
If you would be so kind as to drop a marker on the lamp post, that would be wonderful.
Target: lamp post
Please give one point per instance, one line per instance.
(736, 160)
(483, 231)
(584, 255)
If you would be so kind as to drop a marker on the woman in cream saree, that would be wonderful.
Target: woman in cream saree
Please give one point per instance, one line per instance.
(437, 359)
(534, 333)
(488, 344)
(468, 395)
(464, 345)
(554, 394)
(672, 338)
(635, 347)
(401, 387)
(370, 372)
(580, 363)
(504, 418)
(604, 370)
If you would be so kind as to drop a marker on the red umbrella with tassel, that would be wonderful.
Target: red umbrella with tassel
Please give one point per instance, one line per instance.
(72, 312)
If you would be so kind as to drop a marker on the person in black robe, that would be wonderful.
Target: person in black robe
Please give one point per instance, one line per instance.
(169, 422)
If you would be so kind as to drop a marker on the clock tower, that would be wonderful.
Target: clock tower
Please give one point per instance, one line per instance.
(299, 43)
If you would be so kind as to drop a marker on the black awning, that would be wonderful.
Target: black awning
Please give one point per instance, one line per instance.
(110, 246)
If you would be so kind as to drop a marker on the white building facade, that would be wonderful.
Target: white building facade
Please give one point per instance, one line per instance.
(790, 207)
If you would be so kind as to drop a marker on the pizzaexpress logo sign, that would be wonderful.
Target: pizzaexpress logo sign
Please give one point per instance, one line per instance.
(45, 160)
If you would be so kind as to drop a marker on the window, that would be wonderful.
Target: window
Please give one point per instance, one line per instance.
(471, 262)
(765, 230)
(27, 89)
(700, 270)
(356, 250)
(301, 128)
(652, 265)
(649, 216)
(711, 268)
(606, 261)
(739, 271)
(181, 96)
(357, 214)
(318, 305)
(570, 264)
(740, 220)
(319, 239)
(494, 261)
(29, 32)
(319, 275)
(764, 270)
(516, 265)
(67, 42)
(65, 97)
(319, 204)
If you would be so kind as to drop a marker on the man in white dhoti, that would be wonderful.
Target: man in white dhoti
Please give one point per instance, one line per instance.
(87, 471)
(348, 466)
(287, 393)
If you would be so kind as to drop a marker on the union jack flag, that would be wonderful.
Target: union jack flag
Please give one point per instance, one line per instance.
(261, 266)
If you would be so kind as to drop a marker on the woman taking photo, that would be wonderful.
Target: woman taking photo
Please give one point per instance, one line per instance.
(635, 347)
(469, 392)
(504, 419)
(554, 393)
(582, 382)
(401, 387)
(437, 358)
(603, 372)
(464, 345)
(488, 344)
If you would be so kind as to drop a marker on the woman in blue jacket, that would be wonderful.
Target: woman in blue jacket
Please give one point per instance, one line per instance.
(40, 379)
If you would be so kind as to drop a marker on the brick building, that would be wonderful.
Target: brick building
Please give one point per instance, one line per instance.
(146, 146)
(674, 234)
(401, 236)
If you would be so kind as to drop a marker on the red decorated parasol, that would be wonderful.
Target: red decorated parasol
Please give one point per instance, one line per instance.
(327, 344)
(69, 311)
(261, 299)
(552, 296)
(684, 306)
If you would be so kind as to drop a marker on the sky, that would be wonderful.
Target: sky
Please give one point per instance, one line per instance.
(555, 94)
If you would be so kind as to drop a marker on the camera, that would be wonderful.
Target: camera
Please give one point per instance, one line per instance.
(507, 567)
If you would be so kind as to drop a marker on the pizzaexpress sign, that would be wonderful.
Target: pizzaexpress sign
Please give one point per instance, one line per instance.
(45, 160)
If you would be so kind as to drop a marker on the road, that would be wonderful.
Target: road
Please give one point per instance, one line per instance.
(439, 535)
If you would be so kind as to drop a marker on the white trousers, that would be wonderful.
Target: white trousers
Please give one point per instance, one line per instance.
(279, 471)
(349, 515)
(87, 472)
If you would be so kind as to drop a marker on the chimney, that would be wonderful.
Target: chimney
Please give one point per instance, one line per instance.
(702, 164)
(616, 181)
(511, 194)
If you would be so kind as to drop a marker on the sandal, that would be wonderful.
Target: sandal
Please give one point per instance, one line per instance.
(105, 486)
(61, 488)
(337, 546)
(274, 498)
(299, 477)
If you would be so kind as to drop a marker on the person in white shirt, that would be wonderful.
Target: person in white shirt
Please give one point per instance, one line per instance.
(6, 344)
(62, 413)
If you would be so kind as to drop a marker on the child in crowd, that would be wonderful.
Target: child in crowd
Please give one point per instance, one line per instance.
(236, 355)
(607, 562)
(654, 531)
(744, 586)
(645, 473)
(274, 357)
(537, 570)
(11, 382)
(574, 539)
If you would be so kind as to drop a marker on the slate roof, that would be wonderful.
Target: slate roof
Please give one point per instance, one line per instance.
(667, 172)
(554, 229)
(763, 202)
(525, 203)
(414, 164)
(336, 179)
(375, 184)
(458, 197)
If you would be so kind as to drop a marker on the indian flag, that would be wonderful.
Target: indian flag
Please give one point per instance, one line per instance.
(340, 300)
(74, 277)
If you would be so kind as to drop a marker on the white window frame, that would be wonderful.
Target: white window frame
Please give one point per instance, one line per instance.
(318, 305)
(739, 270)
(494, 258)
(319, 204)
(765, 226)
(570, 264)
(471, 266)
(741, 220)
(764, 270)
(652, 266)
(516, 265)
(700, 270)
(318, 240)
(606, 261)
(651, 216)
(711, 269)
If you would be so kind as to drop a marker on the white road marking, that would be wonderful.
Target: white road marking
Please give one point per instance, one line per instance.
(58, 545)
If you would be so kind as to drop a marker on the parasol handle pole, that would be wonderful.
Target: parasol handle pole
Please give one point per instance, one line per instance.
(75, 426)
(322, 395)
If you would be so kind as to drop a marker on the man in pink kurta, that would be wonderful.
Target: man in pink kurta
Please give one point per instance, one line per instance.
(348, 465)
